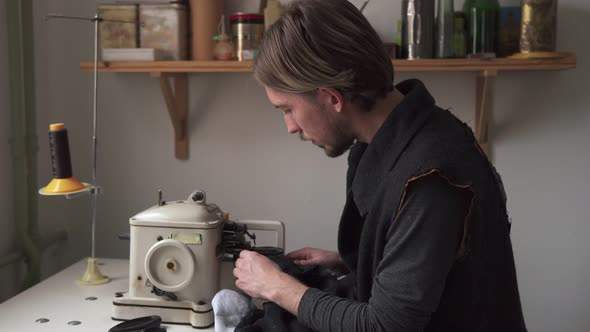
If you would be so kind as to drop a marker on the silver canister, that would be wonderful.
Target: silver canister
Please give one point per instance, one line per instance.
(417, 29)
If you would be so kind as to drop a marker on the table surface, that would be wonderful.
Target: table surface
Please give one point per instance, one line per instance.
(61, 300)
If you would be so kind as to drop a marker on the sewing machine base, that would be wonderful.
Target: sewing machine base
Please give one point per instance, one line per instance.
(198, 316)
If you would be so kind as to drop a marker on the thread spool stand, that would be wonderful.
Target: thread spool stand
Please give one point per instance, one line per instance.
(92, 275)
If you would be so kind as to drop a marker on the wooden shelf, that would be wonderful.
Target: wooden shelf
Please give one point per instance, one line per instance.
(567, 61)
(170, 66)
(174, 74)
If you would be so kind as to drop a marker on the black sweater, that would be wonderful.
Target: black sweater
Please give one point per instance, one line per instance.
(422, 246)
(424, 232)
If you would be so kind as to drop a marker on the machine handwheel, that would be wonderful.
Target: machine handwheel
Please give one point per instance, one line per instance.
(170, 265)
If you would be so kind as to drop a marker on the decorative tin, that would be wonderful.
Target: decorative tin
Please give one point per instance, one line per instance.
(118, 34)
(164, 27)
(538, 29)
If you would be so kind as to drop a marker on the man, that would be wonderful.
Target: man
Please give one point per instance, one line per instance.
(424, 232)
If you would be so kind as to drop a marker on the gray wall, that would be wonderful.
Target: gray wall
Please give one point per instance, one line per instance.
(54, 259)
(241, 155)
(7, 244)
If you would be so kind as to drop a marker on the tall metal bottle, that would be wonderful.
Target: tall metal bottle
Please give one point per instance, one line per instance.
(445, 24)
(417, 29)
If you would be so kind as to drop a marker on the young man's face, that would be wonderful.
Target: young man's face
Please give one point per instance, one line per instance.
(314, 121)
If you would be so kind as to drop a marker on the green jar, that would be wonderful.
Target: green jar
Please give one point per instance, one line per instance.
(482, 22)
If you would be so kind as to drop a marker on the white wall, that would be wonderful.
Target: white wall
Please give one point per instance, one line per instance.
(241, 155)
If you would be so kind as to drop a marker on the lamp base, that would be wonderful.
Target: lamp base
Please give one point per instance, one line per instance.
(92, 276)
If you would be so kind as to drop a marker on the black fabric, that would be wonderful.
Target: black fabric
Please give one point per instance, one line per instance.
(480, 291)
(274, 318)
(271, 318)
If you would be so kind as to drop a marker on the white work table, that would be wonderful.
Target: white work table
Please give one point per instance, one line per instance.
(61, 300)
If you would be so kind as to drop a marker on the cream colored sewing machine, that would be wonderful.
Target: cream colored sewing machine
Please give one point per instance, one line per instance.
(181, 254)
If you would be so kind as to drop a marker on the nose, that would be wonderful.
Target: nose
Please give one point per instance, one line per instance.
(292, 126)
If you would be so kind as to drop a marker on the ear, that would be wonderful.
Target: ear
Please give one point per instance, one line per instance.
(331, 98)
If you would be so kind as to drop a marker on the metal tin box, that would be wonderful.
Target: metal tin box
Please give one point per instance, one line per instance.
(539, 26)
(118, 34)
(164, 27)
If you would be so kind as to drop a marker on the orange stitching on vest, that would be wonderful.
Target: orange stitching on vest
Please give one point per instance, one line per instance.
(461, 250)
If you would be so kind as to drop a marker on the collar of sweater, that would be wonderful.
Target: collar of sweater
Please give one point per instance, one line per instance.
(371, 162)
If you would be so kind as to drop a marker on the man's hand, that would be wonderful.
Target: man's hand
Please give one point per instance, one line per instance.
(261, 278)
(315, 256)
(256, 274)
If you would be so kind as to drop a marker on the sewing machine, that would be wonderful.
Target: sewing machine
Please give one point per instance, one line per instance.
(181, 255)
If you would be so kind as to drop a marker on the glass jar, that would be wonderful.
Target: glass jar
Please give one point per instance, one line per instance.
(482, 22)
(224, 49)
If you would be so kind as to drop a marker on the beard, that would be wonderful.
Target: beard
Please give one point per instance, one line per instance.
(342, 143)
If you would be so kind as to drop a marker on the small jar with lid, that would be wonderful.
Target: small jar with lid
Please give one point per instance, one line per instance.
(247, 30)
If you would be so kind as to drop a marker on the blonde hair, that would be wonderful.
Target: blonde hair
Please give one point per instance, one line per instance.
(325, 43)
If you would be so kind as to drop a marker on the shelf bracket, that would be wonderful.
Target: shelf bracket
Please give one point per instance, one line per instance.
(177, 105)
(483, 106)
